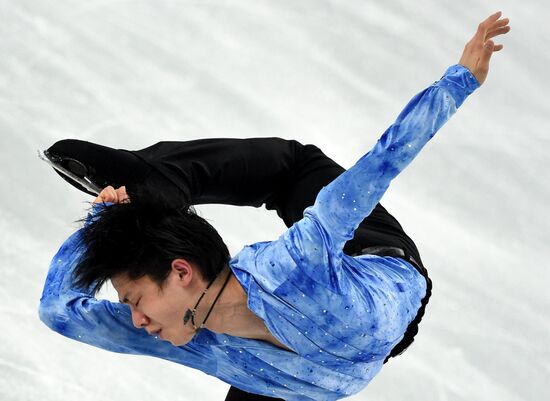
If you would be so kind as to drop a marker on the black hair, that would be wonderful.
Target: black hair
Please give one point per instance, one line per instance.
(142, 238)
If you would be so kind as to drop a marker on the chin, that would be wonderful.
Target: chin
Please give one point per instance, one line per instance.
(179, 341)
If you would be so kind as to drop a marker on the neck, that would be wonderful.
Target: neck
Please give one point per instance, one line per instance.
(221, 309)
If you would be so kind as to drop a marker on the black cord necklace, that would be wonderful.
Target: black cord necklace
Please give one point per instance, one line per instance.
(190, 314)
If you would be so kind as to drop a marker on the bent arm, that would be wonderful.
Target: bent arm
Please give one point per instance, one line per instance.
(74, 313)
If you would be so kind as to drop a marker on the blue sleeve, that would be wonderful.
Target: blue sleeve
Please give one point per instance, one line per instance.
(345, 202)
(76, 314)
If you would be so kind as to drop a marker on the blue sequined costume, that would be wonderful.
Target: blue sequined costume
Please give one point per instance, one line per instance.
(340, 314)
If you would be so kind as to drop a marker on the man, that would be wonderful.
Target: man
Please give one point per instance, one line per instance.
(295, 318)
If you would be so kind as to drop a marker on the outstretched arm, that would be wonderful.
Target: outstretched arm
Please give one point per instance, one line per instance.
(74, 312)
(343, 204)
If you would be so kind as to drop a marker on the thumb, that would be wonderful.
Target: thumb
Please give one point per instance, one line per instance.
(488, 49)
(483, 63)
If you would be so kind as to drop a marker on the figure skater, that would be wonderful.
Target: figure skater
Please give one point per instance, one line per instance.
(312, 315)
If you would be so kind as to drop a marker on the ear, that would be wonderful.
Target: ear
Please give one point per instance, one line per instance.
(182, 271)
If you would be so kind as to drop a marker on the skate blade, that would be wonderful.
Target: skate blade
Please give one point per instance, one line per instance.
(84, 181)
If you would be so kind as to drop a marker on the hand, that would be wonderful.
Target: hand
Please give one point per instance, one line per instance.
(480, 48)
(109, 194)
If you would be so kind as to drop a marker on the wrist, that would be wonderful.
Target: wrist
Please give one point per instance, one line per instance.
(459, 82)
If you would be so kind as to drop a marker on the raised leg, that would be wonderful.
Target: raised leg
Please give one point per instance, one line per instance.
(284, 175)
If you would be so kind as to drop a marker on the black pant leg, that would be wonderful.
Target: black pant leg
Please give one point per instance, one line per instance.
(236, 394)
(285, 175)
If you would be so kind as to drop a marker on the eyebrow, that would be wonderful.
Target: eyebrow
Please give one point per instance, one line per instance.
(124, 300)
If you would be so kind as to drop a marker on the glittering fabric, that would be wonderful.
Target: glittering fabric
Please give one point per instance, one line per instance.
(340, 315)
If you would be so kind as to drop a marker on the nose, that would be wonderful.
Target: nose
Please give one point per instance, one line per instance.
(139, 319)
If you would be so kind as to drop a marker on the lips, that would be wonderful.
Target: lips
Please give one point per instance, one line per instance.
(155, 333)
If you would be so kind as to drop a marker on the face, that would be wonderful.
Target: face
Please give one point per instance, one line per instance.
(160, 311)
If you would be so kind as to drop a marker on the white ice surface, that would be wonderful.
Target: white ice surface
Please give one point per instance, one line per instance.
(333, 73)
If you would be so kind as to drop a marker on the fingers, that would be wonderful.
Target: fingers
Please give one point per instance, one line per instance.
(109, 194)
(490, 25)
(500, 27)
(497, 32)
(500, 23)
(484, 26)
(122, 195)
